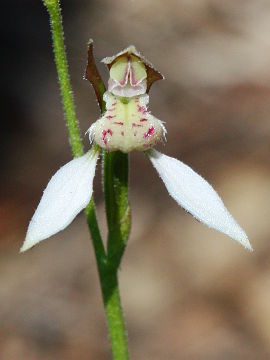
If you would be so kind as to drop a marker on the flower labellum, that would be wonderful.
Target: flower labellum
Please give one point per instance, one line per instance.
(125, 126)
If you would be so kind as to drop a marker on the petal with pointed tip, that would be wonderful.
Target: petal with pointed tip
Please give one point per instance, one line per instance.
(196, 196)
(67, 193)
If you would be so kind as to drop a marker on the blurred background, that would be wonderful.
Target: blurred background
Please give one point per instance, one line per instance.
(188, 292)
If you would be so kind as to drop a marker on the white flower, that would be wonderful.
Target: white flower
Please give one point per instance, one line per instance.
(127, 125)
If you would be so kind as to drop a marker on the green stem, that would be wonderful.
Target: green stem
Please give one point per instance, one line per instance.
(116, 190)
(114, 315)
(110, 292)
(115, 181)
(63, 76)
(100, 253)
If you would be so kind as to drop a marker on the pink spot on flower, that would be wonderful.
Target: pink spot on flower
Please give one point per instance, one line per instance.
(122, 133)
(136, 125)
(135, 133)
(118, 122)
(143, 119)
(149, 133)
(104, 133)
(142, 109)
(110, 117)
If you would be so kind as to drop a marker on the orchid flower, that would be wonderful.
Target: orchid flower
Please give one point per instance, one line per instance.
(127, 125)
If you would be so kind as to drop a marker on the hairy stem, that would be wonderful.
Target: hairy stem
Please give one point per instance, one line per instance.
(63, 76)
(110, 292)
(114, 314)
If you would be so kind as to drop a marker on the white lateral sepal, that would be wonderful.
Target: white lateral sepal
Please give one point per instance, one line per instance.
(67, 193)
(196, 196)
